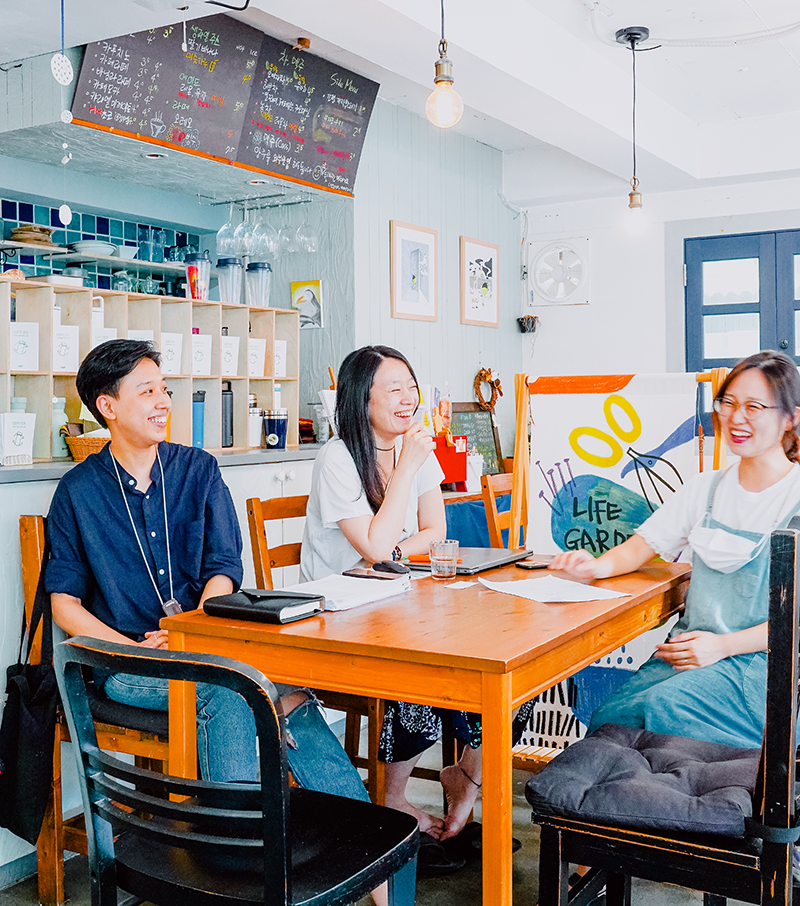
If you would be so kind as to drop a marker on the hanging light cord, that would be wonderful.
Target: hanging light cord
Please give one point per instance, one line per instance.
(62, 28)
(633, 130)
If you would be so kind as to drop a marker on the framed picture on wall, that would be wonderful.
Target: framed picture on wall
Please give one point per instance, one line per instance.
(413, 271)
(480, 303)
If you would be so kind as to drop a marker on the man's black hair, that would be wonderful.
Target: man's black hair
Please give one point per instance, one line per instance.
(103, 370)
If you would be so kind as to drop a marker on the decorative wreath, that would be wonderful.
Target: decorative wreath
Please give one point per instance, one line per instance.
(484, 376)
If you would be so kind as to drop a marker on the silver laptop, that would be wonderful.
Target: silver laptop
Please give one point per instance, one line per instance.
(478, 559)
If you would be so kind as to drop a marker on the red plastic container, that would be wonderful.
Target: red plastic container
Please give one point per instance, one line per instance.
(453, 460)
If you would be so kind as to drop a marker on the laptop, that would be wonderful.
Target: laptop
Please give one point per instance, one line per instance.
(478, 559)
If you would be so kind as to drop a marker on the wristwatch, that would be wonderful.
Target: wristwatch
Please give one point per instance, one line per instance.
(397, 554)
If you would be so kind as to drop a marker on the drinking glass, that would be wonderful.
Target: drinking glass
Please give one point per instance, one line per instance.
(225, 237)
(243, 237)
(287, 243)
(306, 238)
(444, 558)
(265, 242)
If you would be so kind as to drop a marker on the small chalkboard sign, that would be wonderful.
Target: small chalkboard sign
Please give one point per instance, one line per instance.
(476, 423)
(235, 95)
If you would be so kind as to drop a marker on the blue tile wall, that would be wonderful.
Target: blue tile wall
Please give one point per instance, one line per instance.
(14, 213)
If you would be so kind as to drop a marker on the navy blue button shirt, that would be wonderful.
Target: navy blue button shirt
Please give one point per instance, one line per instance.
(95, 556)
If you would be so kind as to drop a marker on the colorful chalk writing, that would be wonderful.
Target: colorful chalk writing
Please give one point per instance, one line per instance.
(232, 93)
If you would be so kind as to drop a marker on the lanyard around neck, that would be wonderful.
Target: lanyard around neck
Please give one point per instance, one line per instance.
(163, 603)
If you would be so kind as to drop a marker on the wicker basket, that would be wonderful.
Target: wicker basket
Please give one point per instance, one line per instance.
(81, 447)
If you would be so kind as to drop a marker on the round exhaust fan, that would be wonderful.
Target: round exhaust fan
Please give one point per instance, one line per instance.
(560, 273)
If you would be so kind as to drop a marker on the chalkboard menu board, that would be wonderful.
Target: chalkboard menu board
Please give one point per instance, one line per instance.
(476, 423)
(235, 95)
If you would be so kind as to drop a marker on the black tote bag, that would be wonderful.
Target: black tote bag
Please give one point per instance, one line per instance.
(27, 732)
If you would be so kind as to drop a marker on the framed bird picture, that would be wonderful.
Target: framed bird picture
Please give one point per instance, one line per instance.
(480, 302)
(307, 299)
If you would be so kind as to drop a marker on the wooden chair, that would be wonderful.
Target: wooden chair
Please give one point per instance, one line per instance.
(492, 487)
(173, 841)
(120, 728)
(265, 559)
(756, 867)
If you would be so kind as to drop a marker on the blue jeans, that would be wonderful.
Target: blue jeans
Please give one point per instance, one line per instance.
(226, 736)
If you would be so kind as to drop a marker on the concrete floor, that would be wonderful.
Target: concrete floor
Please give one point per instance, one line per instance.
(460, 889)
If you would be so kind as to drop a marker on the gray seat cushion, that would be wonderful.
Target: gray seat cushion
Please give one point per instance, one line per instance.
(627, 777)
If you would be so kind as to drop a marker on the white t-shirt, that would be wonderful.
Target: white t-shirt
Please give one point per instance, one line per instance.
(336, 494)
(667, 530)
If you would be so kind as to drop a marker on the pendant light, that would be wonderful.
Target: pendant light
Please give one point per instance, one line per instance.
(633, 36)
(444, 106)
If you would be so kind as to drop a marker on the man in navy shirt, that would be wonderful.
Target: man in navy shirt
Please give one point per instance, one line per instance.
(145, 527)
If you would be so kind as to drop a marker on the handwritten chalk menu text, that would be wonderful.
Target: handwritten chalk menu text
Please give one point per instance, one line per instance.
(306, 118)
(234, 94)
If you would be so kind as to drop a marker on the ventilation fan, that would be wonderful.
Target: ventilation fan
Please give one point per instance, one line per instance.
(560, 273)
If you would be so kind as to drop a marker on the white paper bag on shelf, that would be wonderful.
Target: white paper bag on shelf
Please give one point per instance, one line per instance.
(256, 356)
(279, 358)
(65, 348)
(171, 353)
(474, 472)
(141, 335)
(16, 438)
(229, 352)
(328, 400)
(103, 335)
(201, 353)
(24, 346)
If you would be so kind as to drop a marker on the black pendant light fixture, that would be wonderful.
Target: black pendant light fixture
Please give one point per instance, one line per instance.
(633, 36)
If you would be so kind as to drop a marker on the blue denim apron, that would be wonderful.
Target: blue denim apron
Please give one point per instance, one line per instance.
(726, 701)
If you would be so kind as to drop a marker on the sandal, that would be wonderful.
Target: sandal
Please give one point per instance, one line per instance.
(469, 843)
(433, 861)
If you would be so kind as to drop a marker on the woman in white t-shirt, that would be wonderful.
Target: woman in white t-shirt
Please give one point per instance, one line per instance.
(375, 495)
(708, 679)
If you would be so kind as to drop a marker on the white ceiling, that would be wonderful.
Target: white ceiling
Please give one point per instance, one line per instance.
(539, 82)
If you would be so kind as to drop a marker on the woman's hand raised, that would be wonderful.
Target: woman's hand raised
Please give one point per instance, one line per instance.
(417, 447)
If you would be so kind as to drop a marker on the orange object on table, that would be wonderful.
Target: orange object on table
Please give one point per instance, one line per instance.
(453, 460)
(425, 558)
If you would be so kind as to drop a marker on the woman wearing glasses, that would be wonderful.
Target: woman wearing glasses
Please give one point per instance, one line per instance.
(708, 680)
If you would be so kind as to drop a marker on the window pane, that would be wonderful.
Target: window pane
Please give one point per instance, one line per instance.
(730, 336)
(734, 280)
(797, 333)
(796, 278)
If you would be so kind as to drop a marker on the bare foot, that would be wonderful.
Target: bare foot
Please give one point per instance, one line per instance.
(460, 793)
(428, 824)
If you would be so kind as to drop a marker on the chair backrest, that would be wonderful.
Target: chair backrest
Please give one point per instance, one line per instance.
(31, 543)
(264, 557)
(209, 821)
(774, 800)
(492, 487)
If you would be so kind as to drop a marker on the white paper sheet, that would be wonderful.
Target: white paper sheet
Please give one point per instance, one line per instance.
(551, 590)
(345, 592)
(460, 584)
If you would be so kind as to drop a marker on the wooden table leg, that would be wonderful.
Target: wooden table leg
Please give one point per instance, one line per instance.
(182, 720)
(497, 793)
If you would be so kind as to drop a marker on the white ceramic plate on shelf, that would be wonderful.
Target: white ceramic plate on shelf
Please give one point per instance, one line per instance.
(93, 247)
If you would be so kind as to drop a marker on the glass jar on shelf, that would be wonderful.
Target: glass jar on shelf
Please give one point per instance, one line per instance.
(121, 281)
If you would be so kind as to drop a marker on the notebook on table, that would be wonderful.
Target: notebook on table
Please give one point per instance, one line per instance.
(478, 559)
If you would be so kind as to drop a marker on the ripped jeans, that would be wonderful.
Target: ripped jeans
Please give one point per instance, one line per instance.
(226, 736)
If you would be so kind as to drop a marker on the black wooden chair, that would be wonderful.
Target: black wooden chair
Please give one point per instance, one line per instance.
(755, 864)
(179, 842)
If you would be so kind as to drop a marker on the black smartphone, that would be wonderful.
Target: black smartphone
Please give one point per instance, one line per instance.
(531, 564)
(362, 572)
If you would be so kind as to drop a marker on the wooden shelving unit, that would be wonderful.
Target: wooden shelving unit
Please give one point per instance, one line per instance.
(137, 311)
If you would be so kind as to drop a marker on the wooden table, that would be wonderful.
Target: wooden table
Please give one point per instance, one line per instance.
(471, 649)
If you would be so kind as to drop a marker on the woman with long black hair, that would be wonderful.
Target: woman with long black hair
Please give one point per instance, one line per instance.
(375, 495)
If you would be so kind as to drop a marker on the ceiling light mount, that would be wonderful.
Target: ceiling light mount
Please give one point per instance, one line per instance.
(444, 107)
(155, 155)
(632, 35)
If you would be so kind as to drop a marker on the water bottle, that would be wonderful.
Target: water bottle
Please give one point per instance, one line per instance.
(198, 415)
(58, 446)
(227, 414)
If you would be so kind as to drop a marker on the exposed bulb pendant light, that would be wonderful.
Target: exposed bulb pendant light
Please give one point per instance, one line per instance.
(444, 106)
(633, 36)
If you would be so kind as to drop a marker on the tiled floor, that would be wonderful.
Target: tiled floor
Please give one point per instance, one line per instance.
(460, 889)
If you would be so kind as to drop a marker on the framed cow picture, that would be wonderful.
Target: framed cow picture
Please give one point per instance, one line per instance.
(480, 302)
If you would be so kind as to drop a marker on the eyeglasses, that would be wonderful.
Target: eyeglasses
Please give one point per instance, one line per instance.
(751, 409)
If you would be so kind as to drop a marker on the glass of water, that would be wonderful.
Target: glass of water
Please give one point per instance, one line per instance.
(444, 558)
